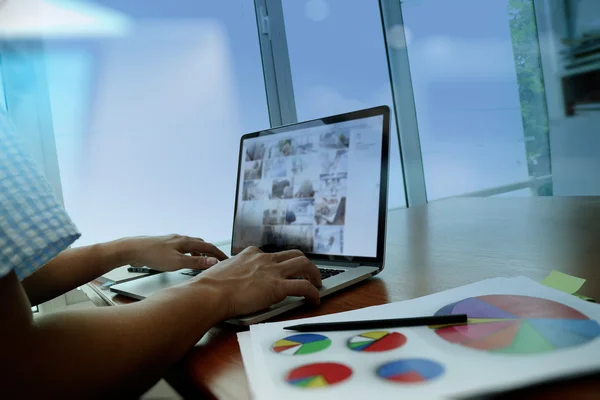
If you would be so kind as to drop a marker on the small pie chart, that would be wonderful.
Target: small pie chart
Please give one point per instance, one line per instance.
(305, 343)
(376, 341)
(409, 371)
(318, 375)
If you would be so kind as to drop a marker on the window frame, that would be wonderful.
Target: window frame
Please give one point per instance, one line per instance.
(404, 104)
(280, 94)
(270, 25)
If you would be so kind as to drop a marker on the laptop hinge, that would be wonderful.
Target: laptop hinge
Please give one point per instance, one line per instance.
(346, 264)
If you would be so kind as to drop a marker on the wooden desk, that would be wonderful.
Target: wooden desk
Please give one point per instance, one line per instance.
(433, 248)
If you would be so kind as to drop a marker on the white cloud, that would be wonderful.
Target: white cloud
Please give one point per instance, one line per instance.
(320, 101)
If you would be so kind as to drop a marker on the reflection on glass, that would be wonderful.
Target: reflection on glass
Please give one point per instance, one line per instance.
(147, 125)
(479, 94)
(338, 61)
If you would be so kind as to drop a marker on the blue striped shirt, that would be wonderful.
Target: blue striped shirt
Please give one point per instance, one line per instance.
(34, 227)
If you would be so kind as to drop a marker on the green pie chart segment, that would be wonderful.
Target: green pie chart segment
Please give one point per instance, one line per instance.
(512, 324)
(306, 343)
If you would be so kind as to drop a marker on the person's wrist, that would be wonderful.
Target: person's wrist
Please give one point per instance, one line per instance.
(202, 294)
(223, 305)
(124, 251)
(189, 309)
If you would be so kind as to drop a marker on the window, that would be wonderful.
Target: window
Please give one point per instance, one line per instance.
(148, 124)
(2, 94)
(338, 63)
(479, 94)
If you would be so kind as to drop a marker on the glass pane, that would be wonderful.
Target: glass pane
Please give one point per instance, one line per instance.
(148, 124)
(2, 95)
(339, 64)
(479, 94)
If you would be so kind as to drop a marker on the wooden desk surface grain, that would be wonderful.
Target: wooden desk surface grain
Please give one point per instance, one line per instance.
(437, 247)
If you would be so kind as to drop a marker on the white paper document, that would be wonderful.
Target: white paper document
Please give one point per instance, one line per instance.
(519, 333)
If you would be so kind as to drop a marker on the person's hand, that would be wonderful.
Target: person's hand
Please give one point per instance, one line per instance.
(169, 253)
(253, 280)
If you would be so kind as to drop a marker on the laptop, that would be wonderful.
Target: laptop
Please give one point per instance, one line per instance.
(318, 186)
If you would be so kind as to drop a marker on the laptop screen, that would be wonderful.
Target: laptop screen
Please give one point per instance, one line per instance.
(313, 186)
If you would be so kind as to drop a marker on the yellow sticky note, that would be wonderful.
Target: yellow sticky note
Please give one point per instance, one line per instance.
(563, 282)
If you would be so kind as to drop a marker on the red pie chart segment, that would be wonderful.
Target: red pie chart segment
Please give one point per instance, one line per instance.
(376, 341)
(476, 308)
(318, 375)
(532, 325)
(479, 331)
(496, 340)
(532, 307)
(407, 377)
(410, 371)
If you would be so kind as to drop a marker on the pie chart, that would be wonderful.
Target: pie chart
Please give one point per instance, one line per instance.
(414, 370)
(376, 341)
(305, 343)
(318, 375)
(512, 324)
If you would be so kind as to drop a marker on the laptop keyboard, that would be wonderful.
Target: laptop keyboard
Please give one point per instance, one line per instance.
(325, 272)
(328, 273)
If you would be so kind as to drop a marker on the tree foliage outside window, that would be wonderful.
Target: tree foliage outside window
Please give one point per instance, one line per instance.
(531, 89)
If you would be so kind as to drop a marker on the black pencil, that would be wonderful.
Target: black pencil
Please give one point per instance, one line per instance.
(380, 323)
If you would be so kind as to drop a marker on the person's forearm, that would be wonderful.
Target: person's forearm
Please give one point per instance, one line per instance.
(73, 268)
(112, 350)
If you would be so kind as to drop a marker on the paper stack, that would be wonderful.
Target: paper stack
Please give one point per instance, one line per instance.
(519, 332)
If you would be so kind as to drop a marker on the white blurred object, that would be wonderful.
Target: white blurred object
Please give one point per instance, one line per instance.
(26, 19)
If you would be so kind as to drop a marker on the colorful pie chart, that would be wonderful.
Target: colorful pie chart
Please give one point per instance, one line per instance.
(305, 343)
(376, 341)
(511, 324)
(318, 375)
(414, 370)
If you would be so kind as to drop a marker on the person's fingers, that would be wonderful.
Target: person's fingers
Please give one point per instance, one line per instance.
(286, 255)
(301, 266)
(193, 245)
(204, 262)
(301, 288)
(192, 238)
(251, 250)
(195, 262)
